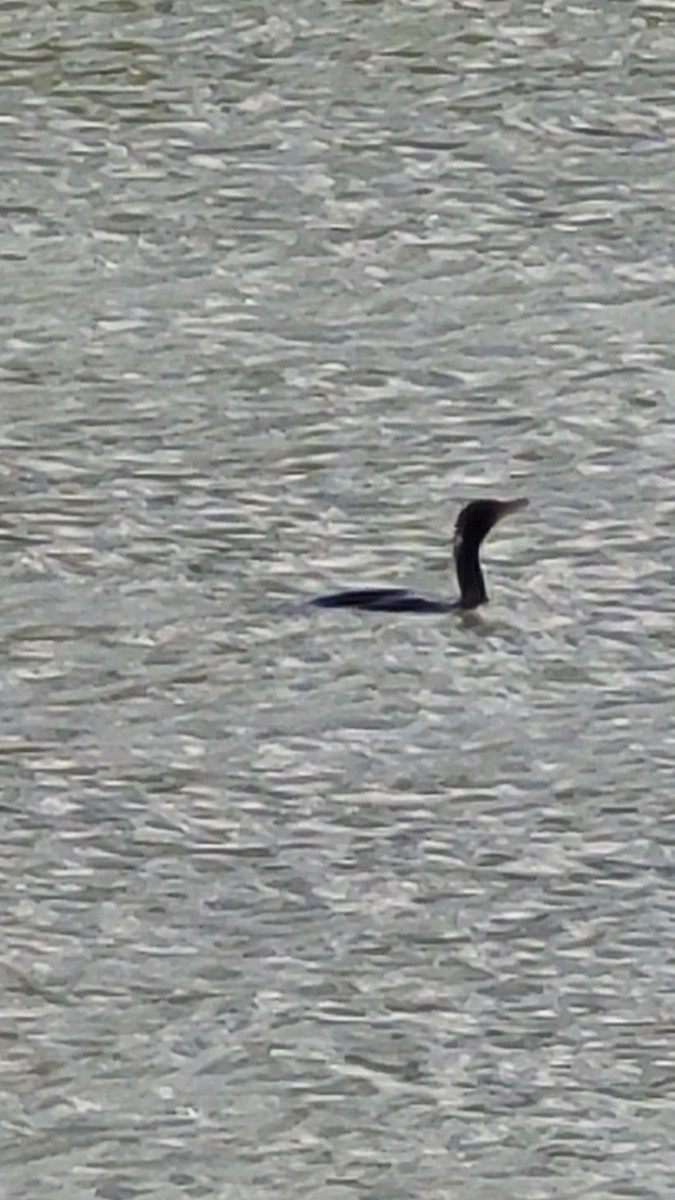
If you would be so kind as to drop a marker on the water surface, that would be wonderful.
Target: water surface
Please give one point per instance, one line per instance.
(323, 905)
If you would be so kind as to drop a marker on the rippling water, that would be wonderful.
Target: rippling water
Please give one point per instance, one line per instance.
(327, 905)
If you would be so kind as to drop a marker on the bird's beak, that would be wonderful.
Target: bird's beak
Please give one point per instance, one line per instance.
(511, 506)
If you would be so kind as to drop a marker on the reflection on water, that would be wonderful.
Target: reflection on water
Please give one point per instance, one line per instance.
(324, 904)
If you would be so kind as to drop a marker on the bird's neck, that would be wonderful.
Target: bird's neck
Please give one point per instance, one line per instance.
(469, 576)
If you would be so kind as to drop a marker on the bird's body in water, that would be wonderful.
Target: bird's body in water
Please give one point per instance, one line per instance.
(472, 526)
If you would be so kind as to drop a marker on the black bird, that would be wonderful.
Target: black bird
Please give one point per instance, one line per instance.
(472, 526)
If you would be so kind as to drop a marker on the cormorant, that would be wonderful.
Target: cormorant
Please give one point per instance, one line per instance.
(472, 526)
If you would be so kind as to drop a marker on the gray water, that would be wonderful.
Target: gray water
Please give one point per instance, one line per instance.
(328, 905)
